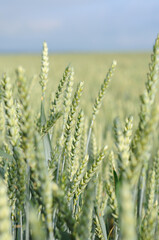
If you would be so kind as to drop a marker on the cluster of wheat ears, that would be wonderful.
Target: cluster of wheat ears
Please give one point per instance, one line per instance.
(55, 182)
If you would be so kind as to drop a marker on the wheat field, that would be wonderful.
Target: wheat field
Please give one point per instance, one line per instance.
(123, 93)
(79, 152)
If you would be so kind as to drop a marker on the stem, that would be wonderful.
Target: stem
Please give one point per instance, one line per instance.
(12, 223)
(18, 226)
(27, 202)
(59, 160)
(58, 169)
(54, 218)
(116, 233)
(140, 199)
(63, 165)
(89, 135)
(21, 226)
(51, 236)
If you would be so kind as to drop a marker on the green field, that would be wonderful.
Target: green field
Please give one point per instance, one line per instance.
(121, 99)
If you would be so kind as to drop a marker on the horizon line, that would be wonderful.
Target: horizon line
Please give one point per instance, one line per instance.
(75, 52)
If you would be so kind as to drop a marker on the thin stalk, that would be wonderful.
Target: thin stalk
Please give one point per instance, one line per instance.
(89, 135)
(57, 179)
(54, 219)
(51, 236)
(59, 160)
(135, 194)
(21, 226)
(58, 169)
(46, 138)
(63, 165)
(18, 227)
(140, 199)
(116, 233)
(27, 203)
(12, 223)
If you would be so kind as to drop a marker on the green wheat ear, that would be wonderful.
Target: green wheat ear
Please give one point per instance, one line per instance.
(44, 68)
(56, 109)
(70, 120)
(84, 224)
(12, 126)
(149, 221)
(74, 154)
(56, 103)
(77, 177)
(16, 168)
(91, 172)
(68, 93)
(25, 119)
(99, 98)
(123, 144)
(103, 88)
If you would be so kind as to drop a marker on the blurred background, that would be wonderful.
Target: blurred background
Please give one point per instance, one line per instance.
(78, 25)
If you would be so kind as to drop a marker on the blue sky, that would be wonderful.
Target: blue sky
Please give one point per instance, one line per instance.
(78, 25)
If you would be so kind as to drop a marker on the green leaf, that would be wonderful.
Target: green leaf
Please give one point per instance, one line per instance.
(50, 123)
(46, 138)
(118, 181)
(42, 117)
(116, 178)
